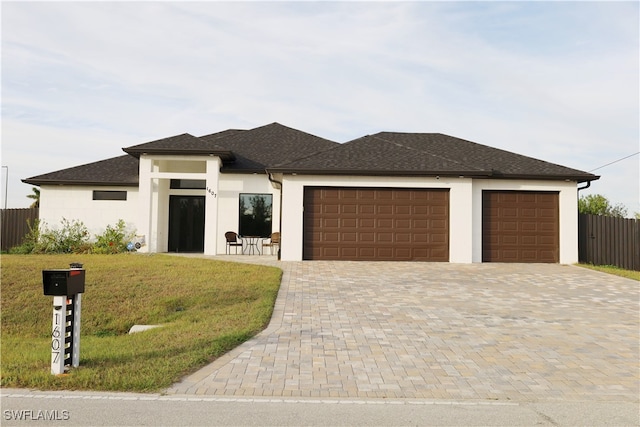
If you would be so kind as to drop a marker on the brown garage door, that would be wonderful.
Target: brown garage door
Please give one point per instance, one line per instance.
(520, 226)
(376, 224)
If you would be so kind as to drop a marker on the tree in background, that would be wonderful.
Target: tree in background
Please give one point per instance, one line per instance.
(597, 204)
(35, 196)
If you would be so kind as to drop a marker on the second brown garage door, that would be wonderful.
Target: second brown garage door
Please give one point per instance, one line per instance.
(382, 224)
(520, 226)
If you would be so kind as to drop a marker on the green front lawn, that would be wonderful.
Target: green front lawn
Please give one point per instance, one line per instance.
(207, 308)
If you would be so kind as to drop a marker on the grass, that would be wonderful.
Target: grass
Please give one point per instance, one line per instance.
(207, 308)
(611, 269)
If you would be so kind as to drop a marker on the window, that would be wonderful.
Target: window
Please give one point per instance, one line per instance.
(255, 214)
(109, 195)
(188, 184)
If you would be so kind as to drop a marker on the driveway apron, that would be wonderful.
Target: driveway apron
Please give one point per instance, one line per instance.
(506, 332)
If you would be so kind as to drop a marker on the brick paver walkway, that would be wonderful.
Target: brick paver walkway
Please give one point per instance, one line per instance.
(438, 331)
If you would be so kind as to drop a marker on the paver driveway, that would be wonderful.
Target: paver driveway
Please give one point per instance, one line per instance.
(520, 332)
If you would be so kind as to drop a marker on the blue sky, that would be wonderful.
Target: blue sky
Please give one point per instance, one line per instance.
(558, 81)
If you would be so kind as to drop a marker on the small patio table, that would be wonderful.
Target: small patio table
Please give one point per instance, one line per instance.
(252, 245)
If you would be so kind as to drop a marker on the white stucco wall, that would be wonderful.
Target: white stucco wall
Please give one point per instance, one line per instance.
(465, 210)
(221, 198)
(230, 187)
(146, 207)
(568, 207)
(76, 203)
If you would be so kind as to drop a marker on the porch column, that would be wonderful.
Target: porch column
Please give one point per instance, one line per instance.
(145, 192)
(211, 206)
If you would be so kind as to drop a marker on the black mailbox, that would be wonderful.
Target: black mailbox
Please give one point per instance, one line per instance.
(63, 282)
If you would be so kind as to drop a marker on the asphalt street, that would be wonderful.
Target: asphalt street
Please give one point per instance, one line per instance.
(27, 408)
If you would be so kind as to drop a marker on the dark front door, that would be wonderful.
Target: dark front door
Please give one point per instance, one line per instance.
(186, 223)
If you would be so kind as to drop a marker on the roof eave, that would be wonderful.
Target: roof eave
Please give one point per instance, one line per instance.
(225, 155)
(551, 177)
(457, 174)
(376, 172)
(243, 171)
(40, 182)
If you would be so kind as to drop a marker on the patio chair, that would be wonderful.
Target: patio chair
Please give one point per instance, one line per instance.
(273, 240)
(233, 240)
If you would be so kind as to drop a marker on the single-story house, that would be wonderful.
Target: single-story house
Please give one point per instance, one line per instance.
(388, 196)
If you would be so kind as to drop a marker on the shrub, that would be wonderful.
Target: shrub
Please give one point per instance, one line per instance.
(114, 239)
(73, 237)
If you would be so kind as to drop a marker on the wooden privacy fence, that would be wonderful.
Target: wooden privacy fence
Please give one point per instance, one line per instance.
(14, 225)
(606, 240)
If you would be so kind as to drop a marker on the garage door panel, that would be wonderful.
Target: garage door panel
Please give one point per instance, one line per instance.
(384, 223)
(350, 209)
(330, 209)
(420, 210)
(348, 222)
(437, 224)
(366, 195)
(420, 223)
(366, 223)
(331, 223)
(330, 237)
(383, 195)
(400, 224)
(404, 196)
(437, 253)
(390, 224)
(346, 195)
(349, 237)
(438, 238)
(520, 226)
(547, 240)
(384, 253)
(366, 237)
(366, 209)
(402, 210)
(438, 211)
(384, 238)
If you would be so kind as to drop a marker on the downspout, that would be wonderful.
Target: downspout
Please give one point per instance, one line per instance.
(278, 183)
(585, 187)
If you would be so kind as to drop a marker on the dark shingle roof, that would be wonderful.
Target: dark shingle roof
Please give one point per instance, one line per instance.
(266, 146)
(278, 148)
(424, 154)
(121, 171)
(182, 144)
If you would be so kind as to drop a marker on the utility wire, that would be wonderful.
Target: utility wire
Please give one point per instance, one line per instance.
(615, 161)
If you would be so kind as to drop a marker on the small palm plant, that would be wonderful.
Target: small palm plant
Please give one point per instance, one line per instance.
(35, 196)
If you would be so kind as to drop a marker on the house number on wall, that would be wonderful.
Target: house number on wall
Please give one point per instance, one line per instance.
(210, 191)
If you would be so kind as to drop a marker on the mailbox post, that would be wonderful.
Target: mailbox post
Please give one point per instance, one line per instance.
(66, 287)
